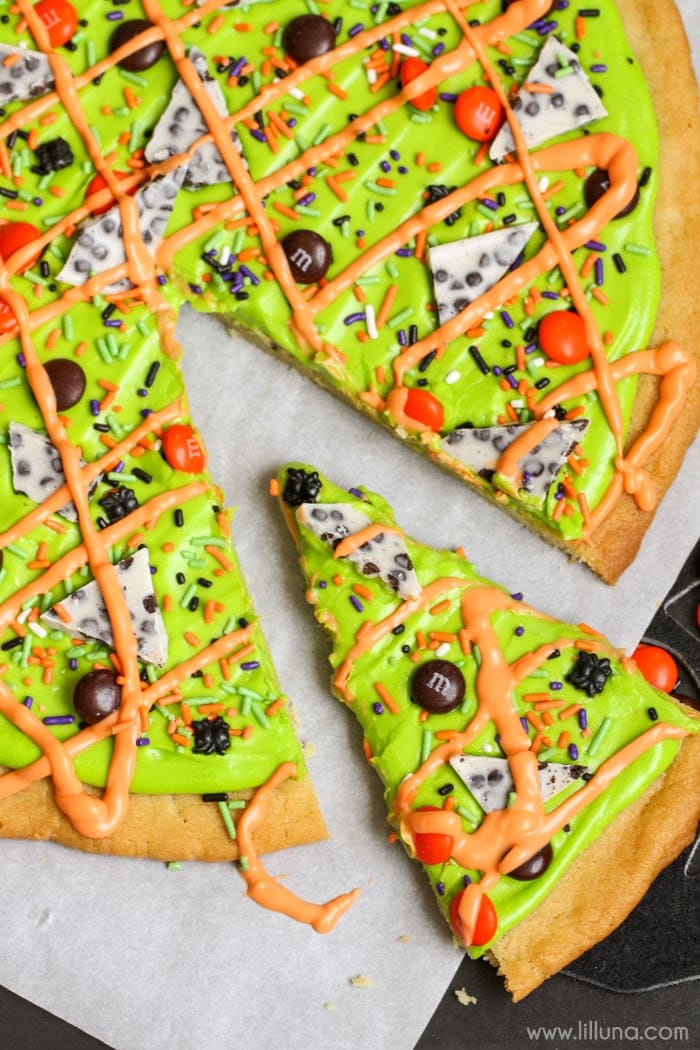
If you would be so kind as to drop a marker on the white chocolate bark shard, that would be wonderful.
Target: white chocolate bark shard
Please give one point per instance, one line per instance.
(37, 470)
(465, 269)
(480, 448)
(385, 555)
(85, 613)
(568, 101)
(182, 124)
(24, 74)
(490, 780)
(99, 245)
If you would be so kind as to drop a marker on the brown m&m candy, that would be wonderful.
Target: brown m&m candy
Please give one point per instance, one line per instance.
(146, 56)
(308, 36)
(534, 866)
(597, 184)
(97, 695)
(68, 381)
(438, 686)
(308, 255)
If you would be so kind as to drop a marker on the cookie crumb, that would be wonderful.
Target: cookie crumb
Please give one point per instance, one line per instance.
(361, 981)
(329, 1006)
(464, 997)
(404, 939)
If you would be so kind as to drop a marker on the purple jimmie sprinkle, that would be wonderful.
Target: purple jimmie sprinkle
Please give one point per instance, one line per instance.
(555, 686)
(356, 493)
(524, 723)
(161, 279)
(583, 718)
(598, 272)
(116, 324)
(250, 665)
(385, 166)
(448, 96)
(354, 318)
(58, 720)
(238, 66)
(405, 39)
(437, 50)
(357, 28)
(94, 407)
(258, 135)
(490, 203)
(250, 275)
(405, 253)
(596, 246)
(142, 741)
(599, 67)
(403, 341)
(322, 585)
(507, 319)
(517, 596)
(573, 752)
(21, 361)
(550, 295)
(512, 381)
(356, 603)
(115, 16)
(28, 701)
(520, 631)
(378, 708)
(73, 663)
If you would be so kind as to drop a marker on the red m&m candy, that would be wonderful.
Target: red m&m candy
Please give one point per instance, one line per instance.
(658, 666)
(425, 408)
(410, 69)
(13, 236)
(183, 449)
(60, 20)
(432, 847)
(479, 113)
(562, 336)
(7, 318)
(486, 921)
(98, 183)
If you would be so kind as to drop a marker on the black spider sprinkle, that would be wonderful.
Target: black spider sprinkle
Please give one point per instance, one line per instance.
(211, 736)
(590, 673)
(301, 487)
(118, 503)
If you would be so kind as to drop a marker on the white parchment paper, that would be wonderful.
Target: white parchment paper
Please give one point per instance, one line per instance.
(143, 957)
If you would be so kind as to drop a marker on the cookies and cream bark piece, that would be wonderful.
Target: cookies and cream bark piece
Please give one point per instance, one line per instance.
(557, 97)
(523, 760)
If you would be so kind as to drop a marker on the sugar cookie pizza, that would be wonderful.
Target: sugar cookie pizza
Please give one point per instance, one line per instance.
(526, 763)
(443, 213)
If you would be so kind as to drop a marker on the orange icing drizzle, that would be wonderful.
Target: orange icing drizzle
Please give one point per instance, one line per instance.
(262, 887)
(355, 540)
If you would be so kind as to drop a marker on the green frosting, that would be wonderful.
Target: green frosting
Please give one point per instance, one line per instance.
(222, 269)
(399, 743)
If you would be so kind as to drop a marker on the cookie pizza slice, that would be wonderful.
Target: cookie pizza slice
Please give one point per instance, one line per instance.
(527, 764)
(139, 709)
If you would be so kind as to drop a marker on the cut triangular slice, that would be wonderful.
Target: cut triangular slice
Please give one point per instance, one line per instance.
(463, 270)
(590, 765)
(563, 99)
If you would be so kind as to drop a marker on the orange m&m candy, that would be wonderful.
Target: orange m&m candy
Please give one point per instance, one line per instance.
(562, 336)
(658, 666)
(425, 408)
(410, 69)
(60, 20)
(479, 113)
(13, 236)
(486, 921)
(183, 449)
(432, 847)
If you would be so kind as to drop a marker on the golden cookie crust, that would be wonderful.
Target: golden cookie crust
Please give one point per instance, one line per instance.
(170, 827)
